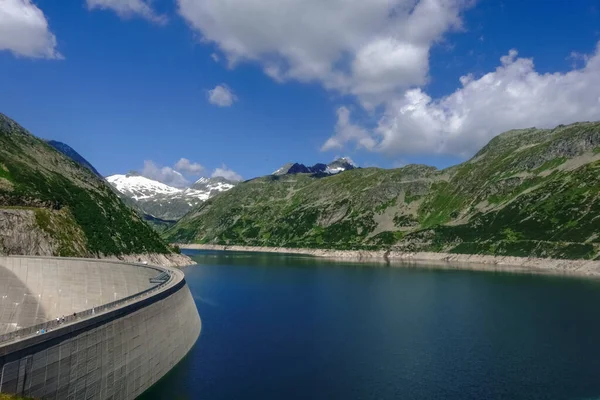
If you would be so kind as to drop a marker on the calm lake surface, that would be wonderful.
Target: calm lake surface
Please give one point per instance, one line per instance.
(285, 327)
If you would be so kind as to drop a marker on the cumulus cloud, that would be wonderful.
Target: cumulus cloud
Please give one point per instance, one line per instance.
(346, 158)
(166, 175)
(177, 175)
(188, 167)
(221, 96)
(128, 9)
(24, 30)
(346, 131)
(513, 96)
(226, 173)
(372, 49)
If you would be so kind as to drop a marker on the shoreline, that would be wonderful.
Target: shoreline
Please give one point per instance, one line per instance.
(583, 268)
(173, 260)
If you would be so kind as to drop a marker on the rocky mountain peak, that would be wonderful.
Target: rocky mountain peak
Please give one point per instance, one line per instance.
(340, 165)
(335, 167)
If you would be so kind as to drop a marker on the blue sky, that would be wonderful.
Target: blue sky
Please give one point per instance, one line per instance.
(128, 82)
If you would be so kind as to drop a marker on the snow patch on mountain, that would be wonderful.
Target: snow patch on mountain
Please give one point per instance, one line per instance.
(205, 188)
(283, 170)
(139, 188)
(164, 201)
(333, 171)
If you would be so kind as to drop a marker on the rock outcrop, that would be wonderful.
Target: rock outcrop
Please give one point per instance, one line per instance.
(20, 234)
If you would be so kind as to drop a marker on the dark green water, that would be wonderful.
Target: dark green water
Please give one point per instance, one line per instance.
(278, 327)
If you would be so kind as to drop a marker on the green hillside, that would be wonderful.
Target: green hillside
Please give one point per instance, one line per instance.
(76, 211)
(530, 192)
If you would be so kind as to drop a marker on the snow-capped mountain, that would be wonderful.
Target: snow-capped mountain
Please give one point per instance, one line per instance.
(340, 165)
(171, 203)
(164, 201)
(217, 184)
(138, 187)
(335, 167)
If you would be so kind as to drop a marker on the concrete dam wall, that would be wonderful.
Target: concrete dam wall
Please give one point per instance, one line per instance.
(132, 324)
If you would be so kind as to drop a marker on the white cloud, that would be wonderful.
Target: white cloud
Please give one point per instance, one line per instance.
(226, 173)
(188, 167)
(24, 30)
(346, 158)
(221, 96)
(372, 49)
(346, 132)
(386, 61)
(128, 9)
(513, 96)
(173, 176)
(166, 175)
(215, 57)
(577, 58)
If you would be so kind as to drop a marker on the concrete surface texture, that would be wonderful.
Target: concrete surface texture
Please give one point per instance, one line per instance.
(35, 290)
(112, 355)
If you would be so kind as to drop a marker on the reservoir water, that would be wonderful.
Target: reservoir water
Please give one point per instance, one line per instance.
(285, 327)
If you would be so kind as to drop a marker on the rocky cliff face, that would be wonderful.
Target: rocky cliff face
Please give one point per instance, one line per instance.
(40, 232)
(20, 234)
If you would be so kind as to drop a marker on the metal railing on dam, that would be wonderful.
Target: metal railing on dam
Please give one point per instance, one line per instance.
(48, 326)
(115, 350)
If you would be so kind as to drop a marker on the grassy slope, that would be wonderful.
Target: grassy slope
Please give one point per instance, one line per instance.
(72, 205)
(537, 199)
(165, 208)
(297, 210)
(527, 193)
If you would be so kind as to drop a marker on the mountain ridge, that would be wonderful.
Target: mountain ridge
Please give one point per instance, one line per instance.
(339, 165)
(53, 205)
(486, 205)
(74, 155)
(166, 202)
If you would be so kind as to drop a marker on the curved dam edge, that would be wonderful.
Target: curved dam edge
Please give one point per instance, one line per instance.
(173, 260)
(548, 266)
(116, 354)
